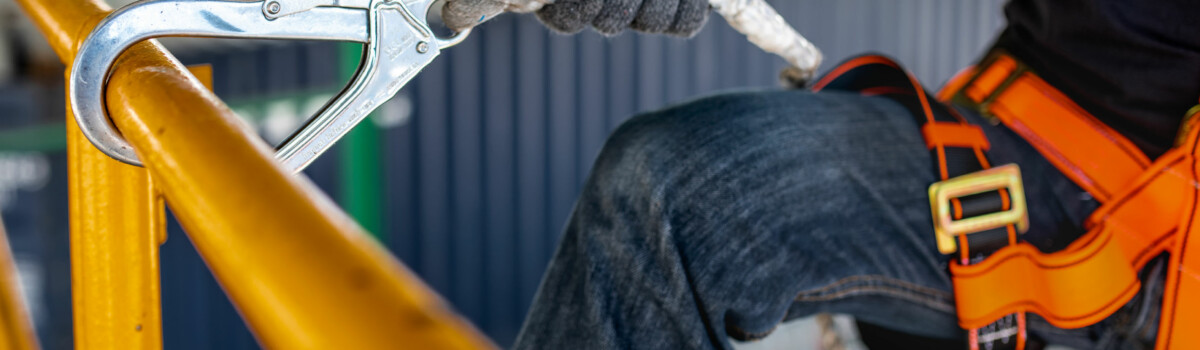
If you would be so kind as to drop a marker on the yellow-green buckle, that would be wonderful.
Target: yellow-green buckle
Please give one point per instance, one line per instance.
(1190, 119)
(947, 229)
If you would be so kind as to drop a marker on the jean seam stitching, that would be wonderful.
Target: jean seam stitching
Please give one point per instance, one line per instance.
(740, 333)
(901, 284)
(892, 287)
(914, 297)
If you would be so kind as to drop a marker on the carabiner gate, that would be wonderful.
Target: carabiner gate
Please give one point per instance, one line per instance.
(399, 43)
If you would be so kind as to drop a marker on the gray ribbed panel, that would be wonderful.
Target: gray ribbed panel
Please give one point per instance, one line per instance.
(482, 178)
(507, 125)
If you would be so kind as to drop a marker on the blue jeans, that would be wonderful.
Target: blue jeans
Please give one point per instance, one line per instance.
(722, 217)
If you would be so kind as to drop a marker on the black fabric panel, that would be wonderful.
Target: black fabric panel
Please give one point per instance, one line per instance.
(941, 112)
(869, 76)
(987, 242)
(876, 337)
(1134, 64)
(911, 104)
(980, 204)
(961, 161)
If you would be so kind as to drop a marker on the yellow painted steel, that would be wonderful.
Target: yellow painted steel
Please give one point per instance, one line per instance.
(302, 274)
(117, 223)
(16, 330)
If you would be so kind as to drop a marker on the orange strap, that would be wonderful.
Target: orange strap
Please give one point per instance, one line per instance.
(944, 134)
(1088, 280)
(959, 148)
(1181, 296)
(1090, 153)
(1144, 206)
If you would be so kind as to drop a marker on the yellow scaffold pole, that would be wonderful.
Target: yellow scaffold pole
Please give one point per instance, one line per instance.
(16, 329)
(302, 274)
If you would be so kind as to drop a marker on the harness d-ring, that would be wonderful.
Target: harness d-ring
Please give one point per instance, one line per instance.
(399, 43)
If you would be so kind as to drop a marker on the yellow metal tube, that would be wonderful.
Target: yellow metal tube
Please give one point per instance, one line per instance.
(16, 330)
(302, 273)
(117, 224)
(115, 227)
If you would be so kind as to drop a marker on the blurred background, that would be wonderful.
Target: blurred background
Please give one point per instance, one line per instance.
(469, 174)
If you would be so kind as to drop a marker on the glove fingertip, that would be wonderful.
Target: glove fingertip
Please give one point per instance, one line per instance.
(616, 16)
(569, 16)
(690, 18)
(656, 16)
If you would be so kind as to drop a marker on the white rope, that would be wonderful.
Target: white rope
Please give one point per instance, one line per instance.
(761, 24)
(769, 31)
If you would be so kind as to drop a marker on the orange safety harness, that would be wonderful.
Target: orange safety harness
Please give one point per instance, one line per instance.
(1147, 207)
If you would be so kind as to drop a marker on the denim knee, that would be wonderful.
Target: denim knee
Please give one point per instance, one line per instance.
(719, 133)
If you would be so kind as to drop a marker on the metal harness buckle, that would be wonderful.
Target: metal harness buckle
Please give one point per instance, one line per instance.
(947, 229)
(399, 43)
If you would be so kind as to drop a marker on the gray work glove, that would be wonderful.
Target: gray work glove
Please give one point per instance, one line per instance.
(609, 17)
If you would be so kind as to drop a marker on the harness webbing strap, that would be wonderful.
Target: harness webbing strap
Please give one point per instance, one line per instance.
(959, 149)
(1086, 150)
(1181, 295)
(1148, 208)
(1097, 274)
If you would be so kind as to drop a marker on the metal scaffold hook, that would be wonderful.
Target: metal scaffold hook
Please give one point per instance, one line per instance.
(398, 44)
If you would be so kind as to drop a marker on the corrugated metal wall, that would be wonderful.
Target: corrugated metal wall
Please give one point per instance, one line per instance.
(504, 127)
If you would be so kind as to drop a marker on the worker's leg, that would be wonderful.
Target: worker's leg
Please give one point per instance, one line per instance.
(722, 217)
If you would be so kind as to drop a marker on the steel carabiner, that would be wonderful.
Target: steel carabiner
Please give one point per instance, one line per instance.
(399, 43)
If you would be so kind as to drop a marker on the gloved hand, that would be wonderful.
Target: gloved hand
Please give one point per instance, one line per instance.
(609, 17)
